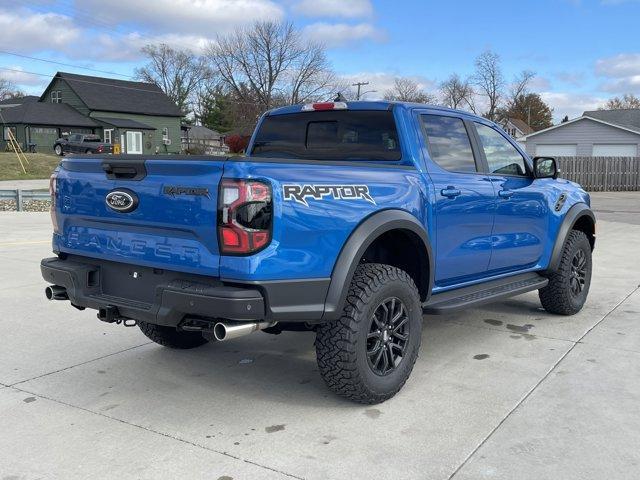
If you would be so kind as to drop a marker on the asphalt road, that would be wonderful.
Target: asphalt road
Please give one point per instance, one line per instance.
(503, 392)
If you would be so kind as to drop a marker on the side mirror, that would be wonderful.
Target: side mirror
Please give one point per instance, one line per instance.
(545, 167)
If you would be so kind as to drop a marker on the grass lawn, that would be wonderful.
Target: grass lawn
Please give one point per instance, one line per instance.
(40, 166)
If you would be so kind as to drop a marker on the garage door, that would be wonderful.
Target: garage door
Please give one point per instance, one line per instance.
(604, 150)
(44, 138)
(555, 150)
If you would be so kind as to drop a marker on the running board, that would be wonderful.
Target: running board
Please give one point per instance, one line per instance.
(469, 297)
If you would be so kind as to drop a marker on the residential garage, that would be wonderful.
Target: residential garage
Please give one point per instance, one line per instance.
(556, 150)
(613, 150)
(42, 136)
(599, 133)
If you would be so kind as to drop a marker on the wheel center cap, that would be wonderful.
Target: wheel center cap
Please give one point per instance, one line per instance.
(385, 336)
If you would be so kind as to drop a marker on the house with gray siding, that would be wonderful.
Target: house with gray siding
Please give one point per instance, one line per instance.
(137, 116)
(599, 133)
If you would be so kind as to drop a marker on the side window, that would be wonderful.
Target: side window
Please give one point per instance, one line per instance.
(448, 143)
(502, 157)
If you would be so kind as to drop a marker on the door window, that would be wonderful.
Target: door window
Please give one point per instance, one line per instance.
(448, 143)
(134, 142)
(502, 157)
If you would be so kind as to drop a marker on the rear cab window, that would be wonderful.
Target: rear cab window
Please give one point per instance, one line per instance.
(369, 135)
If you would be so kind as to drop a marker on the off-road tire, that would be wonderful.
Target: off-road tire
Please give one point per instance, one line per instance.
(341, 345)
(557, 297)
(171, 337)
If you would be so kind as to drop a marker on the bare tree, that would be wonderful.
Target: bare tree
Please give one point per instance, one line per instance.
(457, 93)
(407, 90)
(177, 72)
(628, 100)
(9, 90)
(521, 82)
(489, 81)
(311, 78)
(272, 63)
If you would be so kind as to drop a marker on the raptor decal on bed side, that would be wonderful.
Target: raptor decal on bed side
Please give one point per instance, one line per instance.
(301, 193)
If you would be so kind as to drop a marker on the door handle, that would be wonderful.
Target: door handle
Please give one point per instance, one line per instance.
(505, 193)
(450, 192)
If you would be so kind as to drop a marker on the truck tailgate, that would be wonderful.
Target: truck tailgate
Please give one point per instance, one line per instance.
(173, 225)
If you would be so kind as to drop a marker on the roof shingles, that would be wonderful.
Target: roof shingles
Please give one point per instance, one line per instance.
(111, 95)
(41, 113)
(627, 117)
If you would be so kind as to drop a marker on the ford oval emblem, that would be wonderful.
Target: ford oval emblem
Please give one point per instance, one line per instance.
(122, 200)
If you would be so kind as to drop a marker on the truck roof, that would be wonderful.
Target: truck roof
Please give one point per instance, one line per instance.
(375, 105)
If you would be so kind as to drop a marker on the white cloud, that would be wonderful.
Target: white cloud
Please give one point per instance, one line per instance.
(571, 104)
(334, 8)
(26, 32)
(199, 17)
(127, 47)
(623, 72)
(539, 83)
(622, 65)
(18, 76)
(339, 34)
(630, 84)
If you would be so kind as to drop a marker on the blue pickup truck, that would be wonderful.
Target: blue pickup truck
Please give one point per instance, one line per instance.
(349, 219)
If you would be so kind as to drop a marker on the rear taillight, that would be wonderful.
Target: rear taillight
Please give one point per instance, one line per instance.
(244, 216)
(53, 191)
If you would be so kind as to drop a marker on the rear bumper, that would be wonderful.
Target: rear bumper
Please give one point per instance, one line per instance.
(166, 297)
(169, 297)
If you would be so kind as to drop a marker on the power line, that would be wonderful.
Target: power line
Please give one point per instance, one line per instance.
(84, 81)
(114, 86)
(4, 52)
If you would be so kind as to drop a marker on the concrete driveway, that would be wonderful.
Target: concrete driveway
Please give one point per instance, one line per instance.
(503, 392)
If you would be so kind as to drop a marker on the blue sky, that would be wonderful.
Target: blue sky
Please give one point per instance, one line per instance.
(583, 51)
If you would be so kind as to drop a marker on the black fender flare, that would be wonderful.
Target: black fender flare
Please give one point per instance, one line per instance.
(574, 214)
(355, 247)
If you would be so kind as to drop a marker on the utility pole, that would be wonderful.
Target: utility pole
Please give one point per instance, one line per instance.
(359, 85)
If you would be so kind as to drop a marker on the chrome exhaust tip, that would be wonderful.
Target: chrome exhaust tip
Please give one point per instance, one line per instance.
(227, 331)
(56, 292)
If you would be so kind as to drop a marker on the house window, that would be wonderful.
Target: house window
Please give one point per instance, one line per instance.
(56, 96)
(108, 134)
(8, 136)
(165, 134)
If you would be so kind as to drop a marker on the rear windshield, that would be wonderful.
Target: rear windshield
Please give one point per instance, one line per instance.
(329, 135)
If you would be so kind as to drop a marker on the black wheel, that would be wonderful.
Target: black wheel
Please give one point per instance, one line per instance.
(58, 150)
(368, 354)
(171, 337)
(568, 287)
